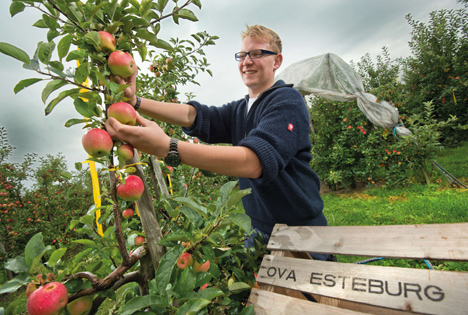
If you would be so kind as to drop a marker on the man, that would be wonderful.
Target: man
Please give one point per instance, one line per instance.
(269, 131)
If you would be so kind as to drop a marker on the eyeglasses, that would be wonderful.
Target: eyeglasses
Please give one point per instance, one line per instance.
(253, 54)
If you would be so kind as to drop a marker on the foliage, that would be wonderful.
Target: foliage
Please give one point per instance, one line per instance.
(437, 69)
(213, 225)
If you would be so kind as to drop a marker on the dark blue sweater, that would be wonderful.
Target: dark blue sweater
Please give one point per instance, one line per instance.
(277, 130)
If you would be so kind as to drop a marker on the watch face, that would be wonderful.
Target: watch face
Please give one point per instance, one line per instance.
(172, 160)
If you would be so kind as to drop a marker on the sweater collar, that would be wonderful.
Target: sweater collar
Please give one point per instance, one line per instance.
(278, 84)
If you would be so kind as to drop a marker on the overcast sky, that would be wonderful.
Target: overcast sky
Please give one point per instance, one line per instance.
(308, 28)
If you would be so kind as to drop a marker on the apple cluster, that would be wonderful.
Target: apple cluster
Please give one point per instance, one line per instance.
(97, 142)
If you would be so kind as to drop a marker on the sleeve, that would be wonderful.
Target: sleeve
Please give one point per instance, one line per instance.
(212, 124)
(282, 133)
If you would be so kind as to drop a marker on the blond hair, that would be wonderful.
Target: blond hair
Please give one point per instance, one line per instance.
(265, 34)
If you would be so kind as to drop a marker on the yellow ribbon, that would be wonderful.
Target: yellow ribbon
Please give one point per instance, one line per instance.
(454, 98)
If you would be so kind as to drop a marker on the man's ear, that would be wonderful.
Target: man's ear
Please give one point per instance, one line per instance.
(278, 61)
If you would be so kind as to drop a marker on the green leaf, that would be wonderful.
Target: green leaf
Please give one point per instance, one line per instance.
(242, 220)
(238, 287)
(75, 121)
(50, 87)
(186, 283)
(237, 196)
(93, 38)
(86, 109)
(58, 99)
(173, 237)
(66, 175)
(40, 24)
(14, 52)
(45, 52)
(63, 45)
(187, 14)
(56, 255)
(10, 287)
(17, 265)
(16, 7)
(210, 293)
(162, 4)
(193, 215)
(77, 54)
(85, 242)
(24, 84)
(159, 43)
(140, 302)
(166, 266)
(192, 306)
(34, 248)
(248, 310)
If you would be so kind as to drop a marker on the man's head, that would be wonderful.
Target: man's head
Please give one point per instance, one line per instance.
(258, 68)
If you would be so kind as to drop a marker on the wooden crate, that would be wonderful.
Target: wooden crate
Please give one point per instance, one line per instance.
(346, 288)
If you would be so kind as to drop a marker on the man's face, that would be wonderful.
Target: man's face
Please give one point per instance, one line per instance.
(258, 74)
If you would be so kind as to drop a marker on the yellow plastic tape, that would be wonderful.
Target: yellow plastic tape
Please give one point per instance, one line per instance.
(454, 98)
(94, 177)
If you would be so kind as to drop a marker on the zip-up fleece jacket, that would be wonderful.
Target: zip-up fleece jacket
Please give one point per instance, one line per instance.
(277, 129)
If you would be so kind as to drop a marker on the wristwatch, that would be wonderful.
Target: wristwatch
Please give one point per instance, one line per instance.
(173, 159)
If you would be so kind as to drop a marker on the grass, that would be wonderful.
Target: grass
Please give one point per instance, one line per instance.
(417, 204)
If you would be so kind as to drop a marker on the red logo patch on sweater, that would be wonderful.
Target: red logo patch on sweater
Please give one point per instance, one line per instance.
(290, 127)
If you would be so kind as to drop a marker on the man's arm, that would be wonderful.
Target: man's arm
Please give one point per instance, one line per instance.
(226, 160)
(171, 113)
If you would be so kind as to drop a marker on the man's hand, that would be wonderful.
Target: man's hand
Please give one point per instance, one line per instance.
(131, 90)
(148, 137)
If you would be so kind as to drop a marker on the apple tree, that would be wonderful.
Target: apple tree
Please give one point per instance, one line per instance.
(134, 260)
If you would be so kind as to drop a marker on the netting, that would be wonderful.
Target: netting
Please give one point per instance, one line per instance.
(331, 77)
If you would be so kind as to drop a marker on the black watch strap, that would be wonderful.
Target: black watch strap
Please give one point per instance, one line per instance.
(172, 158)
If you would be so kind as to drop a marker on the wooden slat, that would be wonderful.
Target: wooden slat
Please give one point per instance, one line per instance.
(269, 303)
(429, 241)
(417, 290)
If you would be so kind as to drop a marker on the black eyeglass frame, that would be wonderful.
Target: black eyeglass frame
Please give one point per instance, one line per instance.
(263, 52)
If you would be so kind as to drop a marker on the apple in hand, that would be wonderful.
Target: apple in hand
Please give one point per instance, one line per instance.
(125, 151)
(128, 213)
(49, 299)
(139, 240)
(97, 142)
(121, 63)
(184, 260)
(132, 189)
(108, 43)
(123, 112)
(80, 306)
(197, 267)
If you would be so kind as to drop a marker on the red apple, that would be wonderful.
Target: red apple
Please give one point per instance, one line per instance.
(139, 240)
(132, 189)
(123, 112)
(197, 267)
(97, 142)
(108, 43)
(80, 306)
(121, 63)
(184, 260)
(127, 213)
(125, 151)
(49, 299)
